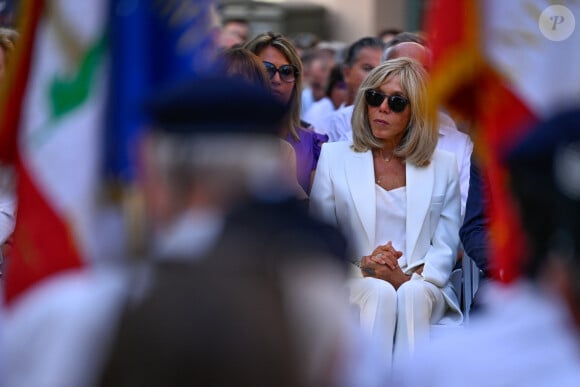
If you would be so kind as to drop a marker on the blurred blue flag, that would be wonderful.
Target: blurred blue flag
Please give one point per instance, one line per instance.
(152, 43)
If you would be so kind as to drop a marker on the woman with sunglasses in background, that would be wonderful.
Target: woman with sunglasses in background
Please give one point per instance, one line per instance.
(243, 64)
(396, 199)
(284, 69)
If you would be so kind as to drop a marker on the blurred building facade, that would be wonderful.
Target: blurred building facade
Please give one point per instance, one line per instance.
(335, 20)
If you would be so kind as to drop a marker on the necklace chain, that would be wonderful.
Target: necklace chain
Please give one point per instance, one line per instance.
(384, 178)
(388, 158)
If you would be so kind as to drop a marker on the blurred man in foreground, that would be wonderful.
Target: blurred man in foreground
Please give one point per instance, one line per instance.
(240, 287)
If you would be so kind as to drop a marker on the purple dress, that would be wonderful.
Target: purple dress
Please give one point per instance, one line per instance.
(307, 152)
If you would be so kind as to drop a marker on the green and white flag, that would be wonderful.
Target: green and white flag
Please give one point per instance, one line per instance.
(61, 84)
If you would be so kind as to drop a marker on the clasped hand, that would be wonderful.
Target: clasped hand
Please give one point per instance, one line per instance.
(383, 264)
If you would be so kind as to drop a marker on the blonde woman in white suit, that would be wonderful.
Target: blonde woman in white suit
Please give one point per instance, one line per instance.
(396, 199)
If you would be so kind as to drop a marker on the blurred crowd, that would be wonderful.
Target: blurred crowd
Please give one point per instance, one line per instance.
(306, 214)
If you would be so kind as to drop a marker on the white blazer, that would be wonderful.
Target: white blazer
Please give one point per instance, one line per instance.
(343, 194)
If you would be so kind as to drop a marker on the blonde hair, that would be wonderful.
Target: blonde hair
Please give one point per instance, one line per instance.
(282, 44)
(420, 138)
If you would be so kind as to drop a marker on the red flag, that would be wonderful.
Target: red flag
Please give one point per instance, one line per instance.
(41, 242)
(465, 81)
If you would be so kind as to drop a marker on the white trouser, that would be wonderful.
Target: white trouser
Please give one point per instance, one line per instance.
(402, 315)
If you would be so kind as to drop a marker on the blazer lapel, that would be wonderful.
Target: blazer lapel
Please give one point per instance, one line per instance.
(419, 191)
(361, 182)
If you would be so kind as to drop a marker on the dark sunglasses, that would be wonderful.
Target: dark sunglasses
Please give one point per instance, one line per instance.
(287, 72)
(396, 102)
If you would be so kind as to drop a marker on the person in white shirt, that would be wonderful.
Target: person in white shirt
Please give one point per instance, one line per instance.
(335, 96)
(450, 139)
(362, 56)
(317, 64)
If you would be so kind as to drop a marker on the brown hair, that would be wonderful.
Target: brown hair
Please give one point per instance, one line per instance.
(245, 64)
(287, 49)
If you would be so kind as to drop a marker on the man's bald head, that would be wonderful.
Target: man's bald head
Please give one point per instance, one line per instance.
(410, 50)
